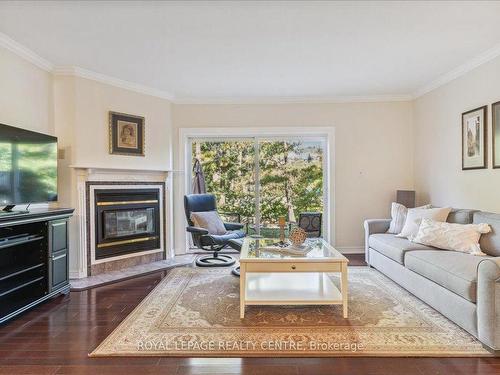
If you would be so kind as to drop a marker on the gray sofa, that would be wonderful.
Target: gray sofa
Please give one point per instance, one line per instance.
(463, 287)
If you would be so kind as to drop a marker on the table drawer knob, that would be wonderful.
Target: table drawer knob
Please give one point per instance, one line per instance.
(293, 267)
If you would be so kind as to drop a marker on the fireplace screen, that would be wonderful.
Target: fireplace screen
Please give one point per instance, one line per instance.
(129, 222)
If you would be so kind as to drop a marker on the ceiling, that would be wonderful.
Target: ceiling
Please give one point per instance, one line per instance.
(247, 50)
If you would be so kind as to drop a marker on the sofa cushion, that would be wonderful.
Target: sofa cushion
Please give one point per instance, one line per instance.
(490, 242)
(452, 270)
(450, 236)
(394, 247)
(398, 218)
(209, 220)
(415, 216)
(398, 214)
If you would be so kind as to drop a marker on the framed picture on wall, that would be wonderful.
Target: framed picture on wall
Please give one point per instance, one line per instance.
(474, 152)
(126, 134)
(495, 131)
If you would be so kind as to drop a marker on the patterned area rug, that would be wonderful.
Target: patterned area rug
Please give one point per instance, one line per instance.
(195, 312)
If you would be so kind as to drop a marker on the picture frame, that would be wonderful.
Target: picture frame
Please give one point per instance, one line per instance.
(474, 138)
(495, 133)
(126, 134)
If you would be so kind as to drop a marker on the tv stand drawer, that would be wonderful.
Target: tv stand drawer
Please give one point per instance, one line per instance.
(58, 235)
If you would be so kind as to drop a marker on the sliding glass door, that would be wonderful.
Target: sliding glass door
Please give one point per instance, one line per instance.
(229, 169)
(256, 180)
(291, 179)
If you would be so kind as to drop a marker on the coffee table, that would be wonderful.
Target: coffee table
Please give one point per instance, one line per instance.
(276, 278)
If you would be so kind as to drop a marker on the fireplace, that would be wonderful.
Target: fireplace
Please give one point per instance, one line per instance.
(126, 221)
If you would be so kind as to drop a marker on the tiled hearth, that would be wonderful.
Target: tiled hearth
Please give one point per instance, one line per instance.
(120, 264)
(128, 273)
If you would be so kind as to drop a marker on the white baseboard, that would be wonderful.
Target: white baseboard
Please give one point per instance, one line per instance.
(351, 249)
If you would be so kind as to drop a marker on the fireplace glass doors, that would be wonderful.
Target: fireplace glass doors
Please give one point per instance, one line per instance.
(127, 221)
(130, 222)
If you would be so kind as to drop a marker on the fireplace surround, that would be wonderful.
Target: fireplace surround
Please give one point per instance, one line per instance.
(125, 224)
(83, 261)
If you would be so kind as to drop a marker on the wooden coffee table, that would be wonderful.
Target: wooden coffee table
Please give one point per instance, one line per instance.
(272, 278)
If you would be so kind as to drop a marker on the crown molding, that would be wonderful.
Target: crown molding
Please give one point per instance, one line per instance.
(88, 74)
(25, 53)
(468, 66)
(117, 82)
(297, 99)
(76, 71)
(32, 57)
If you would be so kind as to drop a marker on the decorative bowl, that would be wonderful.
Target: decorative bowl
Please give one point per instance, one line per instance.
(297, 236)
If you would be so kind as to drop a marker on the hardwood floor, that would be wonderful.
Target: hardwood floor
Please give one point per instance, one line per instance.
(56, 337)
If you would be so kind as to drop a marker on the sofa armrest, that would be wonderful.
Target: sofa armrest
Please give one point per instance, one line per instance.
(488, 302)
(374, 226)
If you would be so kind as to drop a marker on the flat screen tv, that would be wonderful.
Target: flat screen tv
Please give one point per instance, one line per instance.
(28, 167)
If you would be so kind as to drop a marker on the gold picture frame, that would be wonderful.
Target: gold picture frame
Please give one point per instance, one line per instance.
(126, 134)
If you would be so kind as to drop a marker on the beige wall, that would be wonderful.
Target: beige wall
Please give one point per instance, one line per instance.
(26, 99)
(379, 147)
(439, 177)
(25, 94)
(81, 123)
(375, 149)
(93, 101)
(64, 125)
(372, 151)
(76, 111)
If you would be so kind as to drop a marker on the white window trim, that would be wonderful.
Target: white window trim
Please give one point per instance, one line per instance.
(184, 157)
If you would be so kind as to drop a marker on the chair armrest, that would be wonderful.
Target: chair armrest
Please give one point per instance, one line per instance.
(488, 302)
(233, 226)
(373, 226)
(197, 230)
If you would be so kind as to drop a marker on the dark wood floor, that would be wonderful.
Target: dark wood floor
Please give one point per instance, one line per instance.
(56, 337)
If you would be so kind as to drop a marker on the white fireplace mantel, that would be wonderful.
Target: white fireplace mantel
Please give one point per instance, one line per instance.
(120, 168)
(118, 172)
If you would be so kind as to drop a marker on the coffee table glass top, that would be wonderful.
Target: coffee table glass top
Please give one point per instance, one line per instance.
(317, 250)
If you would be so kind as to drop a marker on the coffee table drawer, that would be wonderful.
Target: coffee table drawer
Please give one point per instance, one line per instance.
(292, 267)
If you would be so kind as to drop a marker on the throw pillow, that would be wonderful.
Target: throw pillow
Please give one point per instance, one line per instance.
(398, 214)
(415, 216)
(448, 236)
(209, 220)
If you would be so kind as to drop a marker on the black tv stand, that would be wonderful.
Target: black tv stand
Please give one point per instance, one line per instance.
(12, 213)
(33, 258)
